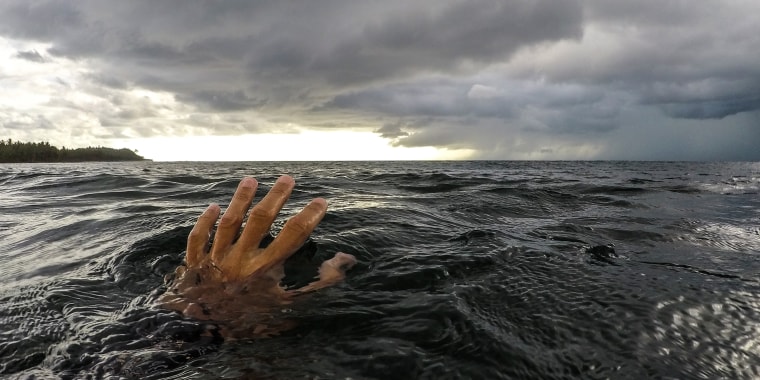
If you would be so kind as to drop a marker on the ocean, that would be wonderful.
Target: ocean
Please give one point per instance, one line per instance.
(467, 270)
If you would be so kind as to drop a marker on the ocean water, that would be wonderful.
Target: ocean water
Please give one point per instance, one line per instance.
(467, 270)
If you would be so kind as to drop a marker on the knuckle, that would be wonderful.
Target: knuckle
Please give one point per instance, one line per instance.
(243, 195)
(299, 227)
(277, 190)
(262, 213)
(230, 221)
(196, 235)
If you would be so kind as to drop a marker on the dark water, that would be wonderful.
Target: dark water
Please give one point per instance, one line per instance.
(482, 270)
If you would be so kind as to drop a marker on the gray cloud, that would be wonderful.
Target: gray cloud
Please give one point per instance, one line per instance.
(109, 82)
(410, 41)
(711, 109)
(43, 20)
(31, 55)
(507, 78)
(285, 47)
(24, 121)
(392, 130)
(224, 100)
(690, 60)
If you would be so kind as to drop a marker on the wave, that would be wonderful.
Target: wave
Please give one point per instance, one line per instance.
(466, 270)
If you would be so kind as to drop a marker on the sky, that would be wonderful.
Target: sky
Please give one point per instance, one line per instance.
(243, 80)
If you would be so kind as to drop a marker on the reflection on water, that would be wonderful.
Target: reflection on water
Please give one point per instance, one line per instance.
(725, 331)
(545, 270)
(745, 238)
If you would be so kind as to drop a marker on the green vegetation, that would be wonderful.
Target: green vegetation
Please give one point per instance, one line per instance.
(15, 151)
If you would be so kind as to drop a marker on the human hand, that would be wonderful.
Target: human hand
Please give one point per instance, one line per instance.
(237, 282)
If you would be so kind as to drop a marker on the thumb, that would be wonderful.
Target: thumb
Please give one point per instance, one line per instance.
(334, 270)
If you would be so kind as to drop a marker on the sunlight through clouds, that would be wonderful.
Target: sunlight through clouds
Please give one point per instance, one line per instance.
(304, 146)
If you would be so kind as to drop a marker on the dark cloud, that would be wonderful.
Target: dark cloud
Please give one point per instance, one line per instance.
(39, 20)
(691, 61)
(648, 13)
(715, 109)
(424, 100)
(392, 130)
(552, 109)
(732, 138)
(313, 44)
(224, 100)
(537, 78)
(705, 98)
(31, 55)
(422, 41)
(109, 81)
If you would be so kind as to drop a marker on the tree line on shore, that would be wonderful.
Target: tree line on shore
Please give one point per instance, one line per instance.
(16, 151)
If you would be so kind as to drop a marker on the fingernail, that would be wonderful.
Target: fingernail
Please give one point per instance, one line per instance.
(285, 179)
(247, 182)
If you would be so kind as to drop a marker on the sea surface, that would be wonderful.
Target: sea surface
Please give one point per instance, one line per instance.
(467, 270)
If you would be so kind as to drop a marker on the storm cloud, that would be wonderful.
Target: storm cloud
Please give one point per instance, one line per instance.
(508, 79)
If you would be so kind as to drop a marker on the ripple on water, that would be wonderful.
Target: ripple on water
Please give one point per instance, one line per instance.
(467, 270)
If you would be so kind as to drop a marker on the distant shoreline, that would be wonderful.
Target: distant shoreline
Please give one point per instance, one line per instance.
(42, 152)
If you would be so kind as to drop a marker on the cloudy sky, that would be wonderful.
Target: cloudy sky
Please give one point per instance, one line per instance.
(429, 79)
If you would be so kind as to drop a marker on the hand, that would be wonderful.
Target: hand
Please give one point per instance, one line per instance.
(235, 281)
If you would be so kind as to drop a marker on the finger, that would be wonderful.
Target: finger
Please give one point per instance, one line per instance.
(197, 241)
(334, 270)
(229, 225)
(292, 237)
(263, 214)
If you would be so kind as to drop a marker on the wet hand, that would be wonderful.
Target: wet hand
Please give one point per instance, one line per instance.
(236, 281)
